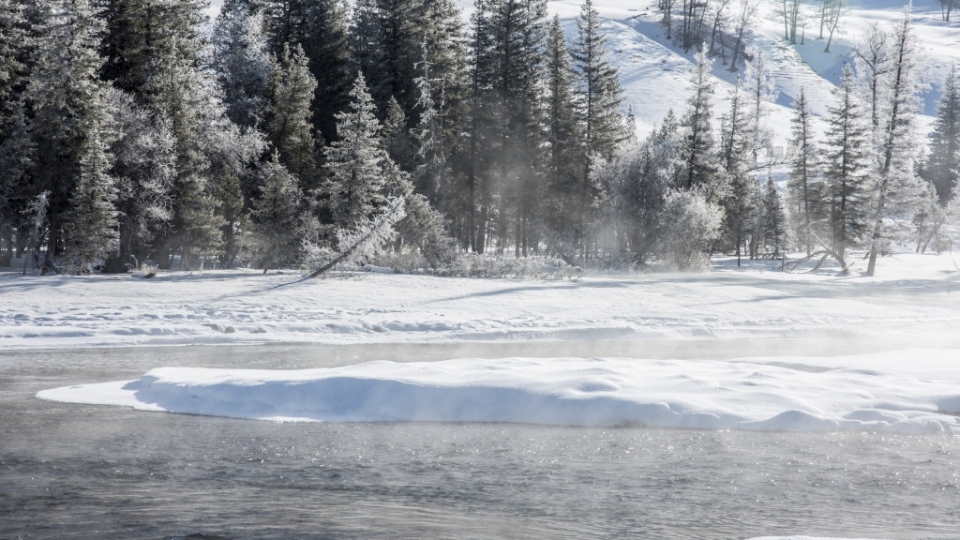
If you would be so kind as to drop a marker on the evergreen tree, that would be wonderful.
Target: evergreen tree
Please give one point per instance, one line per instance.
(320, 27)
(699, 152)
(399, 143)
(275, 215)
(328, 49)
(518, 43)
(90, 231)
(773, 229)
(943, 165)
(71, 120)
(762, 89)
(804, 187)
(481, 120)
(13, 41)
(367, 50)
(433, 173)
(736, 159)
(144, 169)
(897, 152)
(360, 174)
(563, 136)
(848, 167)
(16, 161)
(601, 94)
(292, 89)
(241, 61)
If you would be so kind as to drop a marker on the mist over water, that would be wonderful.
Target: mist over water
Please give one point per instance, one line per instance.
(105, 472)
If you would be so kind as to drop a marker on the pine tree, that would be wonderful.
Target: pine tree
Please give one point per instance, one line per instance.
(848, 167)
(736, 159)
(699, 152)
(804, 187)
(897, 171)
(276, 216)
(292, 89)
(601, 94)
(367, 52)
(145, 170)
(518, 28)
(71, 118)
(481, 118)
(242, 63)
(563, 136)
(773, 221)
(90, 231)
(943, 165)
(399, 143)
(360, 174)
(328, 49)
(16, 161)
(320, 27)
(13, 41)
(433, 173)
(762, 89)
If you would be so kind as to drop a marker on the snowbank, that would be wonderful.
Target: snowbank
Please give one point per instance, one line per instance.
(748, 395)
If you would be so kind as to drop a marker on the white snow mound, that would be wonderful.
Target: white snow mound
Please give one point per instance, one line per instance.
(749, 394)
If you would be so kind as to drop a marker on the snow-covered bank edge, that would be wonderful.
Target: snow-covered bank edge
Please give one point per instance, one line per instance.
(743, 395)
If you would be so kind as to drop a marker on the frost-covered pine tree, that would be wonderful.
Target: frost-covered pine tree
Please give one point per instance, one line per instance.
(736, 160)
(367, 52)
(71, 120)
(943, 165)
(519, 32)
(16, 161)
(480, 120)
(398, 141)
(773, 226)
(145, 170)
(762, 90)
(90, 228)
(13, 41)
(804, 187)
(699, 147)
(600, 92)
(276, 216)
(898, 182)
(241, 61)
(847, 169)
(563, 136)
(359, 173)
(433, 174)
(292, 89)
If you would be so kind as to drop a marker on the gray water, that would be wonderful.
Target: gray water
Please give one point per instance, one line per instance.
(69, 471)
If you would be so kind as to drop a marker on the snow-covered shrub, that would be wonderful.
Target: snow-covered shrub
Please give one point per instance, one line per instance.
(494, 266)
(690, 224)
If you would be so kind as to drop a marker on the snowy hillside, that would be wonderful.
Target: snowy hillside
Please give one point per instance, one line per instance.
(654, 71)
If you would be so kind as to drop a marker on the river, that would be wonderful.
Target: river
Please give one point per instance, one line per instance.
(69, 471)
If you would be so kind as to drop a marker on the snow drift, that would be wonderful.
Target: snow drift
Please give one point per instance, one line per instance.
(749, 395)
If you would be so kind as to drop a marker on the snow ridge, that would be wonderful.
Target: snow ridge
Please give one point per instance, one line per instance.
(747, 395)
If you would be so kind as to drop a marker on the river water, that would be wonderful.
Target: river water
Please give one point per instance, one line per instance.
(69, 471)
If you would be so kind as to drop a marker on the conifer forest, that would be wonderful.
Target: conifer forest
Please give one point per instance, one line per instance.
(311, 133)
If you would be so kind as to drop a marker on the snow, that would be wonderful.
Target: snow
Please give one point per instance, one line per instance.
(912, 299)
(899, 373)
(749, 394)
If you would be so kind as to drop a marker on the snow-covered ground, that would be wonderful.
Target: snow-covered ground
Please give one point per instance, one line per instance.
(914, 298)
(905, 322)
